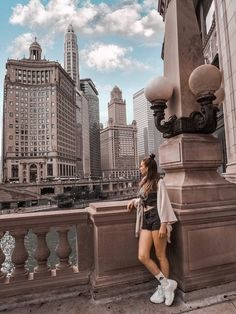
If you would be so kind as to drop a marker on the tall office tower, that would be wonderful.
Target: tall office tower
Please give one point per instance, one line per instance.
(149, 138)
(71, 55)
(39, 126)
(71, 65)
(91, 94)
(79, 132)
(117, 107)
(119, 156)
(83, 142)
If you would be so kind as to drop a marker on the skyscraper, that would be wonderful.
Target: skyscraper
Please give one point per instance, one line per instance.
(119, 141)
(91, 94)
(71, 65)
(71, 55)
(148, 137)
(117, 107)
(39, 127)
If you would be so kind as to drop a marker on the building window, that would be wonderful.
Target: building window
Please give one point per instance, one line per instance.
(14, 171)
(49, 170)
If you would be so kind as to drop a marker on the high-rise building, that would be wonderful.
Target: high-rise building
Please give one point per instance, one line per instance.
(117, 107)
(71, 65)
(82, 136)
(71, 55)
(91, 94)
(119, 156)
(84, 139)
(39, 126)
(148, 137)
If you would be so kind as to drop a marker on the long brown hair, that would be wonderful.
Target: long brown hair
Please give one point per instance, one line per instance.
(149, 181)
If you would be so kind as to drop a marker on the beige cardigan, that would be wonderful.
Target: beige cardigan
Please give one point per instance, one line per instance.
(164, 207)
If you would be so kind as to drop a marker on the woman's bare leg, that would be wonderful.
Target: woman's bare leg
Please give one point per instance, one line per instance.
(160, 250)
(145, 244)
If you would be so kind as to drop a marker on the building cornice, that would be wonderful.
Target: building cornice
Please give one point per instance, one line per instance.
(91, 84)
(39, 64)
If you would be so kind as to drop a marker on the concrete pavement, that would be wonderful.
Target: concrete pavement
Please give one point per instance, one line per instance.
(130, 304)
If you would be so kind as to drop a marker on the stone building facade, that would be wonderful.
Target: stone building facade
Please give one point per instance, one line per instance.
(119, 157)
(71, 55)
(71, 65)
(216, 20)
(82, 136)
(91, 94)
(39, 134)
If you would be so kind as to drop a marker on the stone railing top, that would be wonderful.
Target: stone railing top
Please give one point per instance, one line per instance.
(109, 206)
(43, 219)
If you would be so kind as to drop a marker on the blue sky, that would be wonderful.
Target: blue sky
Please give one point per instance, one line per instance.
(119, 41)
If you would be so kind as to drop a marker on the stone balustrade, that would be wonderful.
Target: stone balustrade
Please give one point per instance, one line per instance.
(43, 276)
(106, 252)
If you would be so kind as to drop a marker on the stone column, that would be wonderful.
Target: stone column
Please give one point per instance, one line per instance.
(20, 173)
(41, 254)
(182, 53)
(202, 251)
(19, 256)
(63, 251)
(116, 266)
(27, 172)
(226, 32)
(55, 168)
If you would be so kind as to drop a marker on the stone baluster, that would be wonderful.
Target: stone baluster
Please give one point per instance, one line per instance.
(63, 250)
(42, 253)
(19, 255)
(2, 259)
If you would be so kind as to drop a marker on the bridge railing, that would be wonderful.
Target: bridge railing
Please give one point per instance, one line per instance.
(43, 275)
(104, 252)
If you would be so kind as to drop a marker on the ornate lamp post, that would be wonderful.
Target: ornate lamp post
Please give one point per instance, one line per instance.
(185, 104)
(204, 81)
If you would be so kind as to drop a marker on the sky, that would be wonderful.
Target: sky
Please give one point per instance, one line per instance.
(119, 41)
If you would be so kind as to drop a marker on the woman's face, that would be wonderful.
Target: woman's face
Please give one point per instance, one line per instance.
(143, 169)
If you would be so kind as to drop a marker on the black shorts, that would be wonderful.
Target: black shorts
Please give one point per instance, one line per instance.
(151, 220)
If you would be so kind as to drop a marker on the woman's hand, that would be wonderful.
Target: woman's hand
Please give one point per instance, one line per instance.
(130, 206)
(162, 231)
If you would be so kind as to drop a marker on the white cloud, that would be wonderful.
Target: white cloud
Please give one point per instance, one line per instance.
(129, 18)
(20, 46)
(150, 4)
(110, 57)
(32, 14)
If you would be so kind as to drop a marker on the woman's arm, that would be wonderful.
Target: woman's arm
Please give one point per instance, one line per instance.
(163, 230)
(132, 204)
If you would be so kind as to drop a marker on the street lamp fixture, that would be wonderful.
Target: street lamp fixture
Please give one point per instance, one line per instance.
(158, 92)
(204, 81)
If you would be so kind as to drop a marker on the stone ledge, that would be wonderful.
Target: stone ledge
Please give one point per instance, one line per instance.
(210, 295)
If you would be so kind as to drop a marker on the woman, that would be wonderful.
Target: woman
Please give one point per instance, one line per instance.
(153, 225)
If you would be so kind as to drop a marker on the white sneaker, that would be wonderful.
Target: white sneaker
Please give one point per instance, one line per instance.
(158, 295)
(169, 291)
